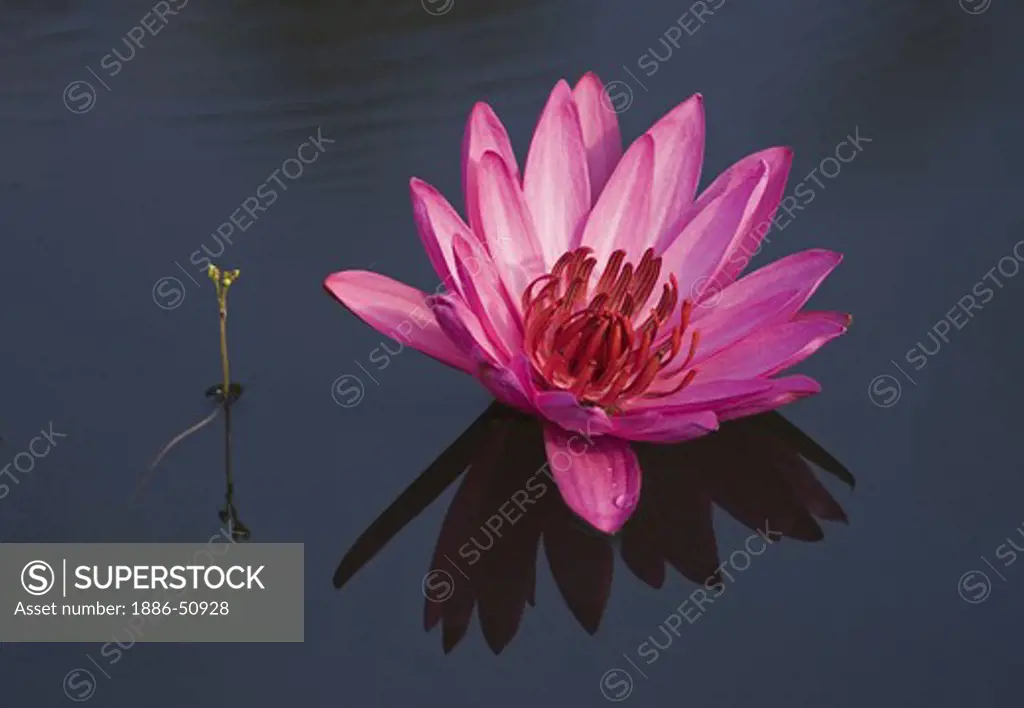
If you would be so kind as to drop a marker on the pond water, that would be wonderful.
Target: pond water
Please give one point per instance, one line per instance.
(119, 168)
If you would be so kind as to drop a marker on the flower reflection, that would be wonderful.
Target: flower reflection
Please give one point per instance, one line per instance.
(757, 469)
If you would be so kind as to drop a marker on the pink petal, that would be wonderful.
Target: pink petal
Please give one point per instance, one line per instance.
(801, 272)
(600, 128)
(556, 181)
(711, 226)
(560, 407)
(398, 311)
(620, 216)
(775, 348)
(779, 161)
(505, 386)
(782, 392)
(599, 479)
(512, 384)
(678, 156)
(842, 319)
(668, 426)
(462, 327)
(484, 131)
(485, 294)
(701, 396)
(728, 325)
(437, 222)
(508, 226)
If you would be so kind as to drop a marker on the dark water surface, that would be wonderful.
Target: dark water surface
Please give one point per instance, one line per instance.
(98, 209)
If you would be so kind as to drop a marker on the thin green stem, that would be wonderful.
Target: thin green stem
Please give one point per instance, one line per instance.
(230, 494)
(222, 301)
(222, 281)
(224, 345)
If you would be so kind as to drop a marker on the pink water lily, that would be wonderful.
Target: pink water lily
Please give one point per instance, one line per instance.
(595, 289)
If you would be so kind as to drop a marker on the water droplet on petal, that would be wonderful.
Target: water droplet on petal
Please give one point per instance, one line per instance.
(624, 501)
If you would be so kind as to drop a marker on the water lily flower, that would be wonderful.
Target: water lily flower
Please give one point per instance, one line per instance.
(596, 290)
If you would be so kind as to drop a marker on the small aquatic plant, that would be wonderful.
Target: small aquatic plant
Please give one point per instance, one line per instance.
(225, 393)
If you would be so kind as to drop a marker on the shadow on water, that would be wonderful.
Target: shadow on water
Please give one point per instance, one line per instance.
(757, 469)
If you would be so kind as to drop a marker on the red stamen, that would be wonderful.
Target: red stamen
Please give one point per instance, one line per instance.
(611, 271)
(583, 339)
(618, 292)
(694, 341)
(682, 384)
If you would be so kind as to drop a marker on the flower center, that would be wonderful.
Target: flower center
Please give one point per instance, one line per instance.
(589, 343)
